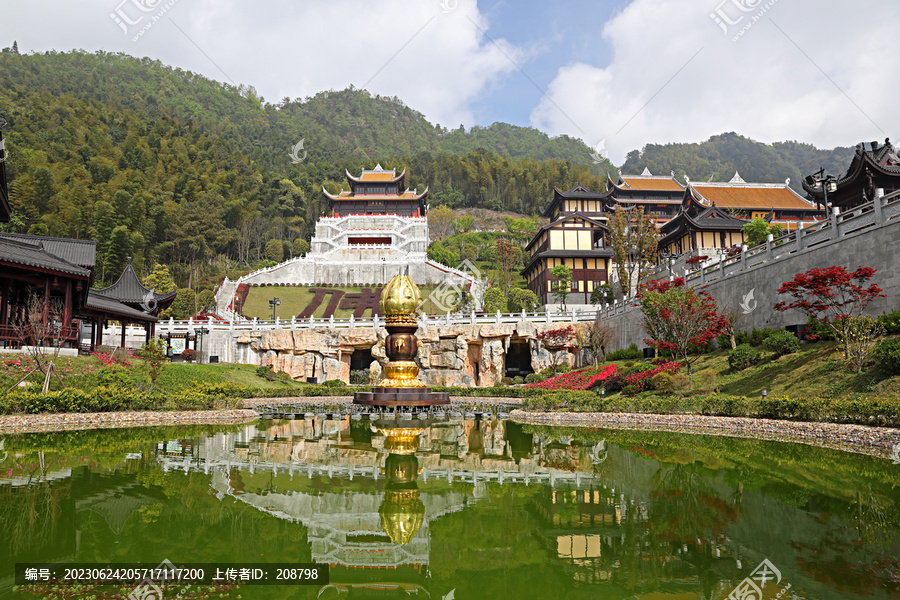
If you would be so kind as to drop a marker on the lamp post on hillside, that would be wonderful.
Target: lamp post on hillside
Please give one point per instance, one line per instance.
(272, 304)
(820, 180)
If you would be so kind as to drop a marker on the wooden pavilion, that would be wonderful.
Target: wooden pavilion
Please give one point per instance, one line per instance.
(45, 288)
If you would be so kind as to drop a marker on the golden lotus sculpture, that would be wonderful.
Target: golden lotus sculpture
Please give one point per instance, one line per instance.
(400, 303)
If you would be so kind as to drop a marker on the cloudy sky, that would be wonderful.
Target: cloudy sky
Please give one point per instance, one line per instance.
(616, 73)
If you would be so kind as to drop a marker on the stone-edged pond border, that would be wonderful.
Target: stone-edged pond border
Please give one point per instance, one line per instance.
(861, 439)
(108, 420)
(875, 441)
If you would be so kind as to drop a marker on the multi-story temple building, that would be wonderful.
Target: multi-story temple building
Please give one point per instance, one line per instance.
(372, 232)
(712, 214)
(660, 197)
(377, 192)
(577, 234)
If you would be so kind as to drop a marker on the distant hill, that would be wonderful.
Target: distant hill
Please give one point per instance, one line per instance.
(721, 155)
(168, 166)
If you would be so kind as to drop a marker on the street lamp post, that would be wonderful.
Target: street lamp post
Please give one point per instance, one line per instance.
(670, 259)
(825, 182)
(272, 304)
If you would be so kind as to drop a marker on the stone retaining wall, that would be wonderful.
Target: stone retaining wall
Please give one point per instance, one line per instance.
(449, 355)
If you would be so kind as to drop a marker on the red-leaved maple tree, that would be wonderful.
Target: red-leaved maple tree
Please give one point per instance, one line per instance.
(833, 296)
(677, 318)
(562, 338)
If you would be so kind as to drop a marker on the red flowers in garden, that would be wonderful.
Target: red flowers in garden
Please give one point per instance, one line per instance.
(641, 379)
(576, 380)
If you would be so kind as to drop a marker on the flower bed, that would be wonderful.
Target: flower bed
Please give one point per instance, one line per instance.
(641, 379)
(576, 380)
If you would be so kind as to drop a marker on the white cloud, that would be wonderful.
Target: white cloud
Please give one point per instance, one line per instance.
(762, 86)
(436, 60)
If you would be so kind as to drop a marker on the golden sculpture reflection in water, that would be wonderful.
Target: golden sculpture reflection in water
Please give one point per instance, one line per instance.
(402, 511)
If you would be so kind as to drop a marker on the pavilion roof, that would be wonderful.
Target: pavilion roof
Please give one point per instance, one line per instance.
(129, 290)
(649, 182)
(743, 195)
(406, 195)
(34, 255)
(378, 174)
(104, 304)
(78, 252)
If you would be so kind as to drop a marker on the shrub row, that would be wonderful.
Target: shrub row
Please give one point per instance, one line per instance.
(629, 353)
(115, 398)
(865, 411)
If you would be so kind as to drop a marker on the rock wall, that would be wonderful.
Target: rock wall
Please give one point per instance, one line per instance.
(455, 355)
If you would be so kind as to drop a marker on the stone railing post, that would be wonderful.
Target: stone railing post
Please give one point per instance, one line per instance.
(835, 220)
(254, 323)
(498, 315)
(473, 316)
(800, 234)
(293, 322)
(743, 257)
(277, 322)
(878, 207)
(352, 320)
(573, 314)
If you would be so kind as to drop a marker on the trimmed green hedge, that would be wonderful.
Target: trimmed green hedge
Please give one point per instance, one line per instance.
(114, 398)
(865, 411)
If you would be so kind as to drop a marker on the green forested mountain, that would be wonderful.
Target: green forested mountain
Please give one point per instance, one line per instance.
(168, 166)
(721, 155)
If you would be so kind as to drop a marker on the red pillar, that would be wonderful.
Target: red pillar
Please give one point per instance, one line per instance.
(45, 315)
(67, 310)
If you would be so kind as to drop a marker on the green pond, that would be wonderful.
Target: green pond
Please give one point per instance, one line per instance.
(453, 509)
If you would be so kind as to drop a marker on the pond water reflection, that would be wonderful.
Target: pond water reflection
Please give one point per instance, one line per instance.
(460, 509)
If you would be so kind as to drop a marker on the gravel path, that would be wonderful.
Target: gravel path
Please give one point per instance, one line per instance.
(108, 420)
(876, 441)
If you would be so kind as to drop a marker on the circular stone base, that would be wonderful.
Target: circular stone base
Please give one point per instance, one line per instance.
(386, 396)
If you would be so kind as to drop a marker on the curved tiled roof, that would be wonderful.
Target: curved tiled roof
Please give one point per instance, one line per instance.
(753, 196)
(34, 255)
(646, 183)
(103, 304)
(78, 252)
(883, 158)
(376, 175)
(129, 290)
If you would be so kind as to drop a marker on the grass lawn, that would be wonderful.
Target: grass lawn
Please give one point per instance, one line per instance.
(295, 299)
(87, 372)
(817, 370)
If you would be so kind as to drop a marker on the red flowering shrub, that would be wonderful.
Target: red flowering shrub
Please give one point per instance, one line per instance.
(107, 360)
(641, 380)
(576, 380)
